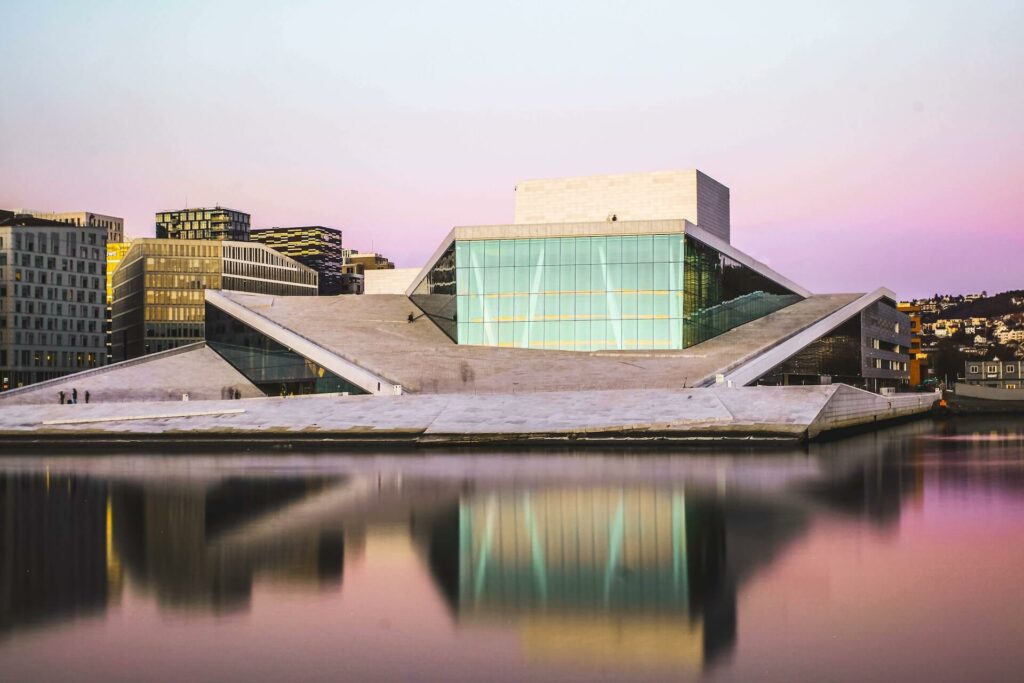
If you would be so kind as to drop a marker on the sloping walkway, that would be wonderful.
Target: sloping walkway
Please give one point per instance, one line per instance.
(373, 332)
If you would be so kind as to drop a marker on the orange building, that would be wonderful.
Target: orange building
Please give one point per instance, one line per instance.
(918, 358)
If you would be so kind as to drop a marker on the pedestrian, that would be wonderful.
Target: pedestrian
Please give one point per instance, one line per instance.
(86, 395)
(61, 394)
(74, 395)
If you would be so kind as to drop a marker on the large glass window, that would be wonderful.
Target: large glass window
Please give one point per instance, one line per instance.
(837, 355)
(593, 293)
(572, 294)
(721, 293)
(275, 369)
(435, 295)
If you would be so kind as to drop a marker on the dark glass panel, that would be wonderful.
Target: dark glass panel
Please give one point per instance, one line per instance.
(275, 369)
(837, 355)
(720, 293)
(435, 294)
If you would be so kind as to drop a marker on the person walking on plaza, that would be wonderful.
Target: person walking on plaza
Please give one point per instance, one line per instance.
(61, 394)
(74, 395)
(86, 395)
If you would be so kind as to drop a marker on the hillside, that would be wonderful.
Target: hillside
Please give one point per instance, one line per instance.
(989, 307)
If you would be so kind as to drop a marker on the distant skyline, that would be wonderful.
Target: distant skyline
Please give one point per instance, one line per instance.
(864, 144)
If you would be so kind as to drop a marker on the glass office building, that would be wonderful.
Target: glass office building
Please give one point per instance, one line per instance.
(158, 288)
(208, 223)
(594, 292)
(315, 246)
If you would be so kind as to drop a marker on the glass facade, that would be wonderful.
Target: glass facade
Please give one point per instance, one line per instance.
(435, 295)
(837, 355)
(655, 291)
(158, 301)
(275, 369)
(216, 223)
(720, 293)
(314, 246)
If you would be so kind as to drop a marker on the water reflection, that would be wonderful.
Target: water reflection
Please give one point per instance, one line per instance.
(638, 567)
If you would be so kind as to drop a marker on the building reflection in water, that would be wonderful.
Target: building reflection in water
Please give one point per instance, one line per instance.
(634, 575)
(202, 546)
(55, 561)
(616, 571)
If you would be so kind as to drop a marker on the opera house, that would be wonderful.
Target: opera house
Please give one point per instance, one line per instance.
(620, 283)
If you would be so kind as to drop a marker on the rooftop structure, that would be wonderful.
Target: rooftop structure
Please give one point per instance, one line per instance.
(209, 223)
(113, 225)
(664, 195)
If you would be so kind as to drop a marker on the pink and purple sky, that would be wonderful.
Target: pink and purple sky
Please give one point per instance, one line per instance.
(865, 144)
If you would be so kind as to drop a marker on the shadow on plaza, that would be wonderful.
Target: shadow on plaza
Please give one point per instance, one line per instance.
(637, 573)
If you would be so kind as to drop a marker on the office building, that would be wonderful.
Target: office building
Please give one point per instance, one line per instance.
(116, 252)
(112, 224)
(360, 262)
(216, 223)
(158, 288)
(51, 299)
(357, 264)
(315, 246)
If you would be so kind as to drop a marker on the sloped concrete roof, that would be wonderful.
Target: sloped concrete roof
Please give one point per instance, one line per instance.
(373, 333)
(193, 369)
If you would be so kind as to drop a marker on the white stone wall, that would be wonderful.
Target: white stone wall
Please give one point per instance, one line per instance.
(689, 195)
(390, 281)
(850, 406)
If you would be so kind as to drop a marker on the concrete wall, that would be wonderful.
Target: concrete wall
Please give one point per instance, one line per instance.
(850, 407)
(689, 195)
(392, 281)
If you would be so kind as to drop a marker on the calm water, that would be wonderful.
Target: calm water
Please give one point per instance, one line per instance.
(897, 555)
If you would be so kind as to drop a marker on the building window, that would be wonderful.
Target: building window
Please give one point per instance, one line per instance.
(974, 369)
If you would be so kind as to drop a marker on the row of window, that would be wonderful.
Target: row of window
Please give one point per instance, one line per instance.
(27, 322)
(49, 293)
(50, 242)
(174, 313)
(52, 339)
(29, 358)
(881, 364)
(569, 306)
(993, 368)
(593, 278)
(569, 251)
(57, 309)
(575, 335)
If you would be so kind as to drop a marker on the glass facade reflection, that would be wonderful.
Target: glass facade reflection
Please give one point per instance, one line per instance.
(836, 355)
(435, 295)
(720, 293)
(654, 291)
(275, 369)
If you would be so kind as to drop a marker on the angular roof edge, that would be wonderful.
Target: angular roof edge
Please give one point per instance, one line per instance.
(542, 230)
(756, 367)
(364, 379)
